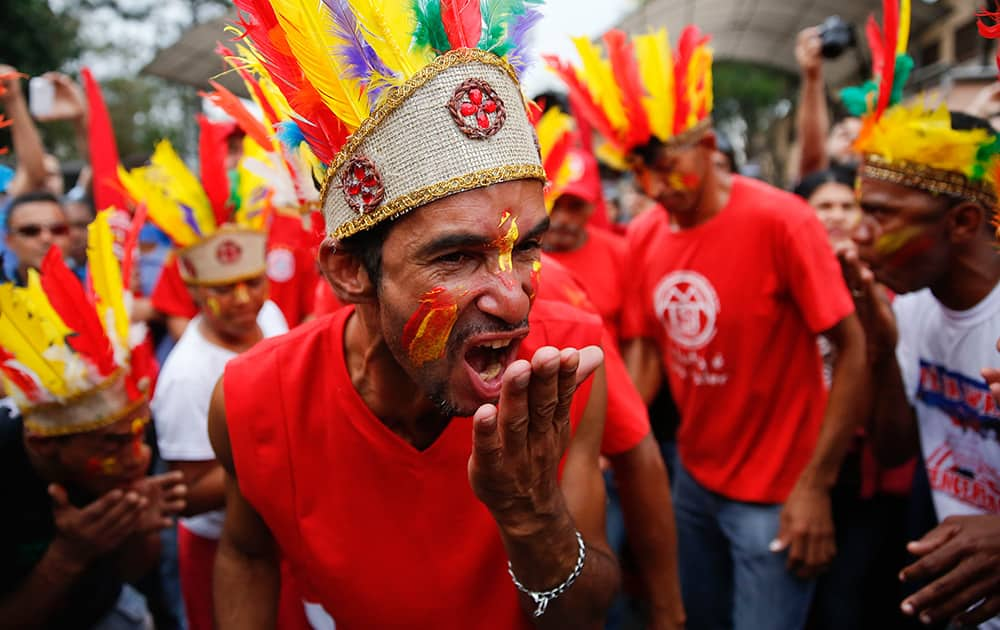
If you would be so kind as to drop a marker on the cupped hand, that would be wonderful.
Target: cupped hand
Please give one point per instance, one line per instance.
(165, 495)
(87, 533)
(517, 445)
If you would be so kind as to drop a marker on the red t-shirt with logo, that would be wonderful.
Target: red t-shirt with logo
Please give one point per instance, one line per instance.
(291, 270)
(599, 266)
(735, 305)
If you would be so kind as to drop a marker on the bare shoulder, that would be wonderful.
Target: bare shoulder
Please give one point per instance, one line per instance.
(218, 431)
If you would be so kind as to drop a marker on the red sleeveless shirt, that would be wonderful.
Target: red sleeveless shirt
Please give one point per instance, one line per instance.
(379, 533)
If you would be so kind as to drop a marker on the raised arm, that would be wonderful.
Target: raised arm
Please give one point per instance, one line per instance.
(247, 577)
(26, 141)
(812, 120)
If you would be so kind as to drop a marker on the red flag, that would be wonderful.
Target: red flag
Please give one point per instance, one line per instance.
(108, 190)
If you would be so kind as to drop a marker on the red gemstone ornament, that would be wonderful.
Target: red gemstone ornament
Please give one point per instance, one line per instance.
(477, 109)
(361, 183)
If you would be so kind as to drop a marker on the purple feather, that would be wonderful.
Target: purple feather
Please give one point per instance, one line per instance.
(188, 213)
(518, 39)
(359, 57)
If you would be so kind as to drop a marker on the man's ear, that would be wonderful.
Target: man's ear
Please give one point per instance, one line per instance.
(967, 221)
(345, 273)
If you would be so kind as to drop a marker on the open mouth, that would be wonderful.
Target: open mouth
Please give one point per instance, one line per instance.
(487, 358)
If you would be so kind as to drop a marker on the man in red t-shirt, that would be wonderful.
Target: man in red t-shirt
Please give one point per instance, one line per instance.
(595, 256)
(729, 290)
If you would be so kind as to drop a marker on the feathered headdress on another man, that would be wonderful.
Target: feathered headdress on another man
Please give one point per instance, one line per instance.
(641, 90)
(915, 145)
(402, 102)
(571, 169)
(66, 356)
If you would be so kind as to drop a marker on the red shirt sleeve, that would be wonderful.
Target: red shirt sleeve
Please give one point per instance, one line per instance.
(170, 295)
(813, 275)
(626, 420)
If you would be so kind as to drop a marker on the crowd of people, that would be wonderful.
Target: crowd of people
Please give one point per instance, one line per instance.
(408, 349)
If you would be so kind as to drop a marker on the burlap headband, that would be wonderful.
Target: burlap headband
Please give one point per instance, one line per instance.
(929, 179)
(93, 409)
(229, 255)
(457, 125)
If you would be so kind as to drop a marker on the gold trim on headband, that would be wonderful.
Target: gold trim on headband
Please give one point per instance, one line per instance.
(224, 282)
(427, 194)
(690, 135)
(933, 180)
(86, 427)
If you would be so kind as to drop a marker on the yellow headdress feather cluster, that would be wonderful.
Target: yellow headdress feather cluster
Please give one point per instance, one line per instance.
(916, 145)
(641, 90)
(66, 358)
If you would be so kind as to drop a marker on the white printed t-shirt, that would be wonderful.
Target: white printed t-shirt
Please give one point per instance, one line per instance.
(941, 353)
(183, 393)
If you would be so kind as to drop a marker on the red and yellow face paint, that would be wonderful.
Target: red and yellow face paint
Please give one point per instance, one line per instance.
(111, 466)
(506, 242)
(425, 335)
(536, 276)
(213, 306)
(682, 182)
(901, 246)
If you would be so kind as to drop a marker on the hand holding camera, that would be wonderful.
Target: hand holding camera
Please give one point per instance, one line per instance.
(54, 96)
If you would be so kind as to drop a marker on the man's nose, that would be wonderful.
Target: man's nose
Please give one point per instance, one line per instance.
(864, 231)
(505, 296)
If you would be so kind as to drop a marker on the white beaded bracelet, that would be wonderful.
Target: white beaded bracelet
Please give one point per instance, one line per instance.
(543, 598)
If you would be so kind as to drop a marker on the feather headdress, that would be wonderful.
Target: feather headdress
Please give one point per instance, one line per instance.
(641, 89)
(402, 102)
(67, 357)
(916, 145)
(571, 169)
(218, 243)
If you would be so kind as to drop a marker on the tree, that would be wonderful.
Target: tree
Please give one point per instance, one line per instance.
(34, 39)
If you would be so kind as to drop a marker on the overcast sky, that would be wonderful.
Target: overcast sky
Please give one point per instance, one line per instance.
(564, 19)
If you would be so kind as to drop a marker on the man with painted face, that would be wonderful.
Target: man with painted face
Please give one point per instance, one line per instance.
(82, 517)
(224, 270)
(424, 458)
(731, 281)
(927, 235)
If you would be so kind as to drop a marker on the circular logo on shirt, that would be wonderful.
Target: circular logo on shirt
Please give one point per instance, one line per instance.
(688, 306)
(280, 265)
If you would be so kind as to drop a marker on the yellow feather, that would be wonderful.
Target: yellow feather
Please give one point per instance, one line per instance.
(552, 126)
(308, 27)
(923, 136)
(699, 92)
(162, 210)
(656, 67)
(389, 28)
(600, 79)
(105, 274)
(168, 170)
(252, 190)
(904, 27)
(27, 334)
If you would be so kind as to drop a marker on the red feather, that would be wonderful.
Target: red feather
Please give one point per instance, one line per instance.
(989, 31)
(557, 155)
(212, 152)
(232, 105)
(582, 101)
(690, 39)
(67, 297)
(890, 30)
(328, 133)
(626, 69)
(103, 150)
(463, 22)
(874, 37)
(20, 379)
(131, 243)
(270, 115)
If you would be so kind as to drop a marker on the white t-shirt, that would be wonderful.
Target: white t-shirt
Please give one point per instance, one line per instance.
(941, 353)
(183, 393)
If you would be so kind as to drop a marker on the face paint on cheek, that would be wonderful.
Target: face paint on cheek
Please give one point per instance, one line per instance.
(212, 303)
(683, 182)
(536, 276)
(892, 242)
(425, 335)
(506, 243)
(103, 466)
(242, 294)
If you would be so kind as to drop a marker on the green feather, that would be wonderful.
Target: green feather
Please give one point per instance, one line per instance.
(984, 156)
(430, 31)
(857, 99)
(904, 65)
(499, 17)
